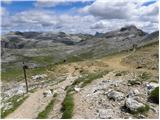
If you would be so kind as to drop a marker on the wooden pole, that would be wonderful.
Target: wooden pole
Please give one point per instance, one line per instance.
(25, 76)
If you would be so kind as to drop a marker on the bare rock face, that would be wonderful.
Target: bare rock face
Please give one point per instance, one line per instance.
(115, 95)
(133, 105)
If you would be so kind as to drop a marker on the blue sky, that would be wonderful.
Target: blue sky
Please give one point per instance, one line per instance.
(18, 6)
(81, 16)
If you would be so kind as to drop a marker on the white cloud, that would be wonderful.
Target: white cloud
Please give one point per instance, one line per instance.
(100, 16)
(123, 12)
(36, 20)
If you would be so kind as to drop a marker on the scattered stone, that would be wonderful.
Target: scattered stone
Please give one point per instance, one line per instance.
(106, 113)
(115, 95)
(47, 93)
(38, 77)
(7, 106)
(133, 93)
(16, 90)
(151, 86)
(133, 82)
(77, 89)
(133, 105)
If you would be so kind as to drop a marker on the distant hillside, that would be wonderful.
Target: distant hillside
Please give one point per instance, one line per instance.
(43, 48)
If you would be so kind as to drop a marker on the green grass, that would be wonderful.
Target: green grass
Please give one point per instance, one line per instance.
(68, 103)
(12, 74)
(92, 76)
(154, 96)
(47, 110)
(155, 81)
(67, 106)
(42, 59)
(86, 79)
(141, 110)
(18, 75)
(144, 76)
(15, 104)
(79, 57)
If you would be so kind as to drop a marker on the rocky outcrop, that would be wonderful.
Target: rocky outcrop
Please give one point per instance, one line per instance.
(115, 95)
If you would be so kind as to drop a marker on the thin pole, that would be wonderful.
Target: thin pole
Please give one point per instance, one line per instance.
(25, 77)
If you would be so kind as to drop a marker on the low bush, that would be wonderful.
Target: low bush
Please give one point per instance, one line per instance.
(154, 96)
(142, 109)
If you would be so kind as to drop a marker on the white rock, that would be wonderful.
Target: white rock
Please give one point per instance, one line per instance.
(47, 93)
(133, 93)
(77, 89)
(106, 113)
(38, 77)
(133, 105)
(115, 95)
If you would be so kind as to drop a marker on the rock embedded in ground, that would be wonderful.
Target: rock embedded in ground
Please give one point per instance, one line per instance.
(106, 113)
(115, 95)
(134, 82)
(151, 86)
(47, 93)
(133, 93)
(133, 105)
(77, 89)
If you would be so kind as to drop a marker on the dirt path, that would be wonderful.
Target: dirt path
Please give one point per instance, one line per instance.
(36, 102)
(31, 106)
(60, 88)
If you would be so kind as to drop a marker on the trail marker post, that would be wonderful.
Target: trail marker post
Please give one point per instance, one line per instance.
(25, 76)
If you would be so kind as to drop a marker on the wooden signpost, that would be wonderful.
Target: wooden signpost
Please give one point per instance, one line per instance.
(25, 76)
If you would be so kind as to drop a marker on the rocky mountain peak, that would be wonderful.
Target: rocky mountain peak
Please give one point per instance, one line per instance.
(129, 28)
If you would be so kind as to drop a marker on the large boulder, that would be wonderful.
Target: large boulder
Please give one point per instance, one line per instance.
(133, 105)
(115, 95)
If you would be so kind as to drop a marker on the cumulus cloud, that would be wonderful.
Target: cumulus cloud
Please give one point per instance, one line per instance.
(124, 12)
(36, 20)
(100, 16)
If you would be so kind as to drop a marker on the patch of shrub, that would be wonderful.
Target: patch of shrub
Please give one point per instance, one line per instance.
(144, 76)
(67, 106)
(142, 109)
(154, 96)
